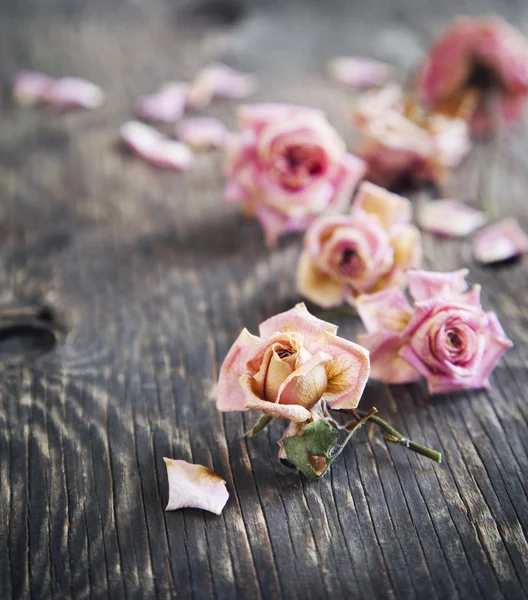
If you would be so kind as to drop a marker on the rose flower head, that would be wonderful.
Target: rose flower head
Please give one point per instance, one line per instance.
(481, 60)
(446, 337)
(363, 252)
(296, 361)
(287, 165)
(401, 144)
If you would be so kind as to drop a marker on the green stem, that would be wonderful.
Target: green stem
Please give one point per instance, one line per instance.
(396, 437)
(364, 419)
(259, 426)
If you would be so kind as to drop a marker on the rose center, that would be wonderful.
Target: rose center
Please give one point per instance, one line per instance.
(482, 77)
(302, 158)
(283, 353)
(350, 261)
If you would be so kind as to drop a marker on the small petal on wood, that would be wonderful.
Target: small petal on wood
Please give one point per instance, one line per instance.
(359, 72)
(222, 81)
(194, 486)
(450, 218)
(29, 87)
(500, 241)
(202, 133)
(74, 92)
(155, 147)
(167, 104)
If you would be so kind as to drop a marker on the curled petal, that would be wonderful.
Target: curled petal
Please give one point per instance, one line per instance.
(74, 92)
(292, 430)
(317, 286)
(202, 133)
(500, 241)
(347, 372)
(297, 319)
(450, 218)
(29, 88)
(426, 284)
(194, 486)
(359, 72)
(222, 81)
(385, 362)
(230, 397)
(391, 209)
(307, 384)
(388, 310)
(156, 148)
(167, 104)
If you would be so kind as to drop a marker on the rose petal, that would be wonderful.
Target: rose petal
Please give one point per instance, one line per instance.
(385, 363)
(359, 72)
(307, 384)
(347, 372)
(500, 241)
(156, 147)
(30, 87)
(230, 396)
(222, 81)
(450, 218)
(74, 92)
(316, 285)
(297, 319)
(497, 344)
(202, 133)
(167, 104)
(390, 208)
(194, 486)
(426, 284)
(292, 430)
(351, 172)
(386, 310)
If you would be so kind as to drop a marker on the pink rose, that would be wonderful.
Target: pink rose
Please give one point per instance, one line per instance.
(297, 360)
(287, 165)
(446, 337)
(479, 56)
(369, 250)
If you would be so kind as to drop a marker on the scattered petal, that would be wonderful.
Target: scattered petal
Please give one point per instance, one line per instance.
(202, 133)
(222, 81)
(359, 72)
(194, 486)
(167, 104)
(74, 92)
(30, 87)
(500, 241)
(156, 147)
(450, 218)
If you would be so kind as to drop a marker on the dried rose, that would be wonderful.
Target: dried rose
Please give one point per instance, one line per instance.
(194, 486)
(297, 360)
(446, 337)
(484, 57)
(287, 165)
(364, 252)
(500, 241)
(450, 218)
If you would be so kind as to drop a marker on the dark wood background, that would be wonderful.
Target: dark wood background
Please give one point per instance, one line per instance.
(153, 277)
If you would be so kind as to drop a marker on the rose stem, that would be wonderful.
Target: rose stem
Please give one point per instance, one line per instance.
(364, 418)
(396, 437)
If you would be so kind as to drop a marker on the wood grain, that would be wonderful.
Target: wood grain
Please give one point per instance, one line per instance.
(154, 277)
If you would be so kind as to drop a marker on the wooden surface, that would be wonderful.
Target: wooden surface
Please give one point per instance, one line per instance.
(154, 277)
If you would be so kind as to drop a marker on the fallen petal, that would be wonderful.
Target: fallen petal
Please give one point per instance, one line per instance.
(450, 218)
(359, 72)
(194, 486)
(30, 87)
(222, 81)
(156, 147)
(74, 92)
(500, 241)
(202, 133)
(167, 104)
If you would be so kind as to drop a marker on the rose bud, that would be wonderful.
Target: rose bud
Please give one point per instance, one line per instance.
(483, 59)
(446, 337)
(363, 252)
(295, 362)
(287, 165)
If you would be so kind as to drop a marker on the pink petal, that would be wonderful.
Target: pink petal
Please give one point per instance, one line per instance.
(194, 486)
(351, 172)
(423, 285)
(500, 241)
(385, 363)
(497, 344)
(297, 319)
(167, 104)
(390, 208)
(450, 218)
(222, 81)
(29, 87)
(156, 147)
(358, 72)
(230, 396)
(347, 371)
(202, 133)
(386, 310)
(74, 92)
(292, 430)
